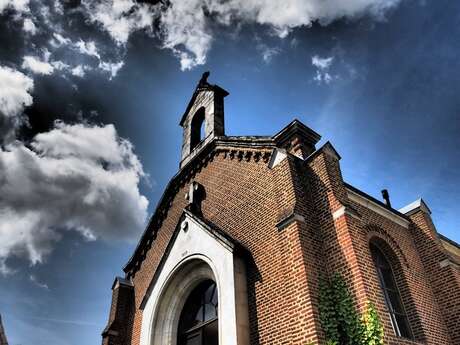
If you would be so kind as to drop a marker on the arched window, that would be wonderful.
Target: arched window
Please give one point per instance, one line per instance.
(197, 128)
(198, 323)
(390, 290)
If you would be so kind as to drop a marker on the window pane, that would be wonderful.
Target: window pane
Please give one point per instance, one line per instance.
(395, 302)
(209, 293)
(193, 339)
(388, 280)
(403, 326)
(209, 312)
(390, 290)
(211, 334)
(379, 258)
(199, 309)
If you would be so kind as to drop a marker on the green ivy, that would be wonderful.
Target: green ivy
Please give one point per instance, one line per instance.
(373, 328)
(339, 319)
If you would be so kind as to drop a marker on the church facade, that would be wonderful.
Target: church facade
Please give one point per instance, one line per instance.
(243, 233)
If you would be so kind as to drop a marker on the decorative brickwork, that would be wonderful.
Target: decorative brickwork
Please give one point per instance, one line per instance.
(286, 202)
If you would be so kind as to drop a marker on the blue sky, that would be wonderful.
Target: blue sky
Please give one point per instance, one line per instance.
(383, 88)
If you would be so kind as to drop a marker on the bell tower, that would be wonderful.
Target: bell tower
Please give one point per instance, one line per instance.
(203, 119)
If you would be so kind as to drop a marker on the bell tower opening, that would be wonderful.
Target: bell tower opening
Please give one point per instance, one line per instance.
(198, 127)
(203, 119)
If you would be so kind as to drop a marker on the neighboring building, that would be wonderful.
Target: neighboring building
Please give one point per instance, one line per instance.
(3, 340)
(238, 260)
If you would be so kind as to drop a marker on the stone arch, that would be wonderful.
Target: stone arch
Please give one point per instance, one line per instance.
(197, 122)
(379, 235)
(174, 293)
(196, 253)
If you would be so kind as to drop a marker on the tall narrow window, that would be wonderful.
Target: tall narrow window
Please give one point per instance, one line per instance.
(197, 128)
(198, 324)
(393, 301)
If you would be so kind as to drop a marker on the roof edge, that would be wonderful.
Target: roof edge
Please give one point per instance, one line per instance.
(414, 206)
(378, 202)
(448, 240)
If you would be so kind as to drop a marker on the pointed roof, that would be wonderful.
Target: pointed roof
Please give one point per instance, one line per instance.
(202, 85)
(3, 340)
(297, 127)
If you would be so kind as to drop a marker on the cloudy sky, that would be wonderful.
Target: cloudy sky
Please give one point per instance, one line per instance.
(91, 93)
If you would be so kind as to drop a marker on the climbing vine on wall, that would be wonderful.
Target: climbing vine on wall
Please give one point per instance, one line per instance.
(340, 320)
(372, 327)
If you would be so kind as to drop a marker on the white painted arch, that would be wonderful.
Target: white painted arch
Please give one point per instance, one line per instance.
(196, 254)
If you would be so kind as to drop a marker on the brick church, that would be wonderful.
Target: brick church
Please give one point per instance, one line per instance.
(245, 229)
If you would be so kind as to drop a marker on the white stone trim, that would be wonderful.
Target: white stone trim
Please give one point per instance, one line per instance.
(293, 217)
(345, 210)
(419, 203)
(363, 201)
(194, 256)
(448, 262)
(277, 157)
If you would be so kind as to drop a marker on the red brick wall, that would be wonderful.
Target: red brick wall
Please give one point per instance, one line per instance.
(247, 200)
(445, 281)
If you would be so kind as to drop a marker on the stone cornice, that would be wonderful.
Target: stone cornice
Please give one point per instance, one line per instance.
(289, 219)
(346, 210)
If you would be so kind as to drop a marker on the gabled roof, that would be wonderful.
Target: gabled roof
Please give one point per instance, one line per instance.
(297, 127)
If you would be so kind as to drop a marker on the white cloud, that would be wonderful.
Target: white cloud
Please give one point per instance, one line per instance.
(322, 63)
(59, 40)
(60, 182)
(185, 26)
(120, 17)
(29, 26)
(78, 71)
(88, 48)
(111, 67)
(268, 53)
(60, 66)
(17, 5)
(34, 280)
(36, 66)
(322, 69)
(15, 88)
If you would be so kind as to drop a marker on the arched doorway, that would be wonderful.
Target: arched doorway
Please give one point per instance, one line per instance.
(198, 324)
(197, 260)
